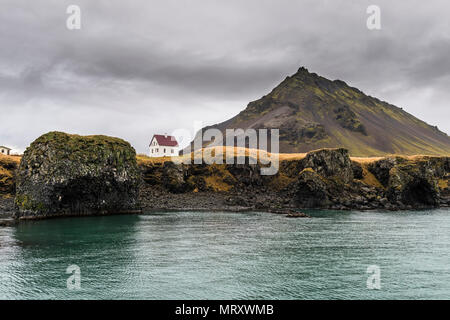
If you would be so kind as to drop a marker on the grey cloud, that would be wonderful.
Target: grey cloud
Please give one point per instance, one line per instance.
(149, 66)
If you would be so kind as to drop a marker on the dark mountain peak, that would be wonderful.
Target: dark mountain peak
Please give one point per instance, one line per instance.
(303, 79)
(304, 74)
(302, 69)
(313, 112)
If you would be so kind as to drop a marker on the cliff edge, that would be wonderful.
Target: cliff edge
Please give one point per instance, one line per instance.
(62, 174)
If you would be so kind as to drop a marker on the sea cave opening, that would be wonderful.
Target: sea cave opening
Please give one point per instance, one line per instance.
(419, 192)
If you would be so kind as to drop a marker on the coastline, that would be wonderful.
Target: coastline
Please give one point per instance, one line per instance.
(214, 202)
(322, 179)
(197, 202)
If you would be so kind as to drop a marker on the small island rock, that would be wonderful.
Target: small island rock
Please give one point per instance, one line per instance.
(62, 174)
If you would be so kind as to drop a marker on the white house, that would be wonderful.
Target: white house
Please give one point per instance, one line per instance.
(163, 145)
(5, 150)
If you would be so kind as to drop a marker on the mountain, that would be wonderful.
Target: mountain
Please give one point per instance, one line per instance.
(313, 112)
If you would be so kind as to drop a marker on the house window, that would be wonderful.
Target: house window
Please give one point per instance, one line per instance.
(171, 150)
(164, 150)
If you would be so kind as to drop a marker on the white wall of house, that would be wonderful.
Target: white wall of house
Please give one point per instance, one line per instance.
(4, 151)
(162, 151)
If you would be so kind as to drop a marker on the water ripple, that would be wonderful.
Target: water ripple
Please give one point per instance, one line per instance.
(193, 255)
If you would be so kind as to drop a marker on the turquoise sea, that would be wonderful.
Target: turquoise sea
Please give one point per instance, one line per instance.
(222, 255)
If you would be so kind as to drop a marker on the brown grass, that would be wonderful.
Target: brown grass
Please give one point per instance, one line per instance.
(365, 160)
(7, 166)
(417, 157)
(238, 151)
(146, 160)
(216, 183)
(234, 151)
(10, 159)
(280, 181)
(443, 184)
(370, 179)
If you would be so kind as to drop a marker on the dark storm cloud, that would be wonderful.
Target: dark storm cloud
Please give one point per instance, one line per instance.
(154, 66)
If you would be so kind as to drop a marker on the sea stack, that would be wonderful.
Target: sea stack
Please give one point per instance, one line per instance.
(62, 174)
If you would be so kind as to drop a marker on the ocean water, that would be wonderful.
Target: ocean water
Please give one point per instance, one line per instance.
(220, 255)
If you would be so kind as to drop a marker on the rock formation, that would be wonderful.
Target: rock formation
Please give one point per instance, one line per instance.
(325, 178)
(62, 174)
(312, 112)
(413, 183)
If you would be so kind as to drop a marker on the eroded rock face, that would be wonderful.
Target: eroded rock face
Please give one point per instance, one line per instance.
(311, 189)
(173, 177)
(411, 182)
(348, 119)
(414, 184)
(325, 178)
(357, 170)
(330, 163)
(62, 174)
(309, 132)
(381, 169)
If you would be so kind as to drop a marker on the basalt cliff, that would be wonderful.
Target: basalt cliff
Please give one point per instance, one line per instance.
(62, 174)
(325, 178)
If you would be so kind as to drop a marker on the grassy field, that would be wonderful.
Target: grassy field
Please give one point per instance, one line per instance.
(8, 161)
(234, 151)
(7, 166)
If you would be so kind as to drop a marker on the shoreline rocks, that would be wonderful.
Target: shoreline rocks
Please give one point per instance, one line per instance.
(6, 207)
(297, 214)
(68, 175)
(326, 179)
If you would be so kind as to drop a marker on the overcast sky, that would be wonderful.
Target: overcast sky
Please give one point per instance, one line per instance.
(141, 67)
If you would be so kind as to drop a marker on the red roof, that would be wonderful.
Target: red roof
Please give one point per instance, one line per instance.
(165, 140)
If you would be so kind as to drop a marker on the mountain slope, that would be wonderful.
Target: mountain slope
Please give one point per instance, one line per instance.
(313, 112)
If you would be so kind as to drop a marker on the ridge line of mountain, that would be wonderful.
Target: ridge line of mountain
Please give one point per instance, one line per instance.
(313, 112)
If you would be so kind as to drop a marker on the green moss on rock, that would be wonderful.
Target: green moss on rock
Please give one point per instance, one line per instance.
(65, 174)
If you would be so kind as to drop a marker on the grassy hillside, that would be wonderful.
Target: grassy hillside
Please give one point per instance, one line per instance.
(313, 112)
(235, 151)
(8, 165)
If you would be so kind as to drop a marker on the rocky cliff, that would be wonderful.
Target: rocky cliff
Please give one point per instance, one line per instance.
(326, 178)
(62, 174)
